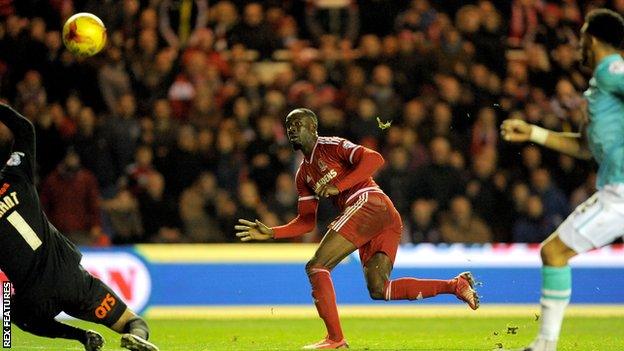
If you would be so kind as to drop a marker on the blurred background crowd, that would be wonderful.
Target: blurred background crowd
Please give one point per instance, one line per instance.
(176, 129)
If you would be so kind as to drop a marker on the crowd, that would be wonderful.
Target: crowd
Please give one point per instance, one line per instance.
(176, 129)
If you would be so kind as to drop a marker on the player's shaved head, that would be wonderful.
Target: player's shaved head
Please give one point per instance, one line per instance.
(303, 113)
(301, 127)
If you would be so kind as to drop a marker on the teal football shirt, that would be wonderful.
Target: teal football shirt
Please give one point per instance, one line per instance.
(605, 132)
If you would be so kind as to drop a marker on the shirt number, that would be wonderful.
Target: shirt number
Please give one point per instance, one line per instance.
(25, 230)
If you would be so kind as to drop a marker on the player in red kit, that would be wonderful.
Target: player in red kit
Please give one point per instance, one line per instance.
(338, 169)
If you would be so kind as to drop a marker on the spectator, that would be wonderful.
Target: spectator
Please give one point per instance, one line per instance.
(570, 173)
(249, 203)
(533, 226)
(159, 215)
(418, 17)
(421, 224)
(583, 192)
(182, 156)
(124, 216)
(531, 160)
(31, 90)
(227, 169)
(165, 127)
(92, 145)
(364, 124)
(370, 52)
(113, 78)
(551, 32)
(223, 19)
(198, 210)
(263, 167)
(122, 133)
(341, 18)
(180, 19)
(253, 32)
(49, 140)
(140, 170)
(554, 200)
(284, 200)
(70, 198)
(484, 132)
(382, 92)
(396, 178)
(438, 181)
(488, 198)
(524, 21)
(460, 225)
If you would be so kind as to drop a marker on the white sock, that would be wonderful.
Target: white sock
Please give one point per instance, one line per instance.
(556, 291)
(552, 318)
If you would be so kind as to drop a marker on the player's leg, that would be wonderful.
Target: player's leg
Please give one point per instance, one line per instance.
(556, 291)
(134, 330)
(98, 303)
(594, 223)
(51, 328)
(378, 252)
(36, 316)
(333, 249)
(377, 272)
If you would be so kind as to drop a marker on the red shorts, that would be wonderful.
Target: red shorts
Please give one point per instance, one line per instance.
(372, 224)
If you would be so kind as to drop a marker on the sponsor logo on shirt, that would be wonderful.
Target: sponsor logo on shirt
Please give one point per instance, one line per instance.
(4, 188)
(326, 179)
(616, 67)
(105, 306)
(322, 166)
(15, 159)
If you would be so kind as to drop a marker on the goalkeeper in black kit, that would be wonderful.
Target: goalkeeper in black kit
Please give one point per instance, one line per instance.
(43, 266)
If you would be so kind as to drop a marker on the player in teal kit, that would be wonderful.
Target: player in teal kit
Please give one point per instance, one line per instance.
(600, 219)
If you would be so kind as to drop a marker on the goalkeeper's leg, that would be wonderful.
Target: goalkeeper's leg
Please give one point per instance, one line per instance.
(52, 328)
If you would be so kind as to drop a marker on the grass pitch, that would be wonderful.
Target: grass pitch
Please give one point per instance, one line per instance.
(482, 332)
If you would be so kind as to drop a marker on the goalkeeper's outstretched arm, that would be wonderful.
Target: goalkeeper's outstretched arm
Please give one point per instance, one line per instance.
(23, 136)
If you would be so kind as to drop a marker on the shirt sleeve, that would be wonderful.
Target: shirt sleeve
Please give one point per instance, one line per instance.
(611, 78)
(364, 160)
(23, 156)
(306, 211)
(347, 151)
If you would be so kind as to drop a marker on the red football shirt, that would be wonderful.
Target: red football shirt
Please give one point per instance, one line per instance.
(337, 161)
(332, 161)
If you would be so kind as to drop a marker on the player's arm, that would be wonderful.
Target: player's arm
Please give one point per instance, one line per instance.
(572, 144)
(365, 163)
(302, 224)
(23, 134)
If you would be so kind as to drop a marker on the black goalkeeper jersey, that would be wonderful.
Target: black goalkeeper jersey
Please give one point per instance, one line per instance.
(32, 252)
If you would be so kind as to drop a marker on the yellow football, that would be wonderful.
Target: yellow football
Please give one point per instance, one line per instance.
(84, 34)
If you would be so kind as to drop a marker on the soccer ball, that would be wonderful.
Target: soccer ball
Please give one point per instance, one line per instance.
(84, 34)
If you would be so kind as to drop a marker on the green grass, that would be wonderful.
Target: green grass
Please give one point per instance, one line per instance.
(580, 333)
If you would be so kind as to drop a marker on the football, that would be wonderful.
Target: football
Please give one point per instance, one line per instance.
(84, 34)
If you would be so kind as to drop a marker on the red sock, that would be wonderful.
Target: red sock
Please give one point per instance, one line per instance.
(325, 301)
(417, 289)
